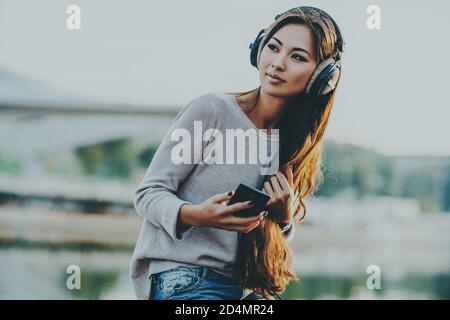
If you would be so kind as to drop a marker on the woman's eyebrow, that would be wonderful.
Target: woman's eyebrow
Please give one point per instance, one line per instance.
(295, 48)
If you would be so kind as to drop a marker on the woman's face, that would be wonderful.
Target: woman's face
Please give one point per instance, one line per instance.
(290, 55)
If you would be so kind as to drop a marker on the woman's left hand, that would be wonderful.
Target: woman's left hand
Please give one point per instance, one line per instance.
(281, 191)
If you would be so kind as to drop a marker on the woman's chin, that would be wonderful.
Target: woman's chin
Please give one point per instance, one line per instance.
(271, 91)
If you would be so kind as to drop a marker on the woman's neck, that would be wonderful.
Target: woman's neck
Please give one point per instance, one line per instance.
(267, 112)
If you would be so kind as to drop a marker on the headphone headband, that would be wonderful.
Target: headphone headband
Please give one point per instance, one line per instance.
(339, 41)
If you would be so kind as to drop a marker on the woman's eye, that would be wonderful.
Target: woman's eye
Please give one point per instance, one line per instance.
(298, 57)
(272, 47)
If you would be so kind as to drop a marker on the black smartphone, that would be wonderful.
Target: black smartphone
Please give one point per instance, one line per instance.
(246, 193)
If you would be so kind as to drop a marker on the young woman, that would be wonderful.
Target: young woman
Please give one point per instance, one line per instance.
(191, 245)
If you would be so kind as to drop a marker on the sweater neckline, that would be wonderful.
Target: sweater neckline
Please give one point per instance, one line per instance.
(250, 122)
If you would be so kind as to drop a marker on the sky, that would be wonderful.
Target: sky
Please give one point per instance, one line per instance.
(153, 52)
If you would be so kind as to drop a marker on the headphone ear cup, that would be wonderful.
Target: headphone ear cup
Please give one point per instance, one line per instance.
(313, 80)
(254, 48)
(331, 83)
(324, 78)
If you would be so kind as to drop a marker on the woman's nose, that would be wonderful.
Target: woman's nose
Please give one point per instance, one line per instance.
(278, 64)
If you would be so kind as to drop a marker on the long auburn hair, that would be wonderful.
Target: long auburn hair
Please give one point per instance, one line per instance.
(264, 259)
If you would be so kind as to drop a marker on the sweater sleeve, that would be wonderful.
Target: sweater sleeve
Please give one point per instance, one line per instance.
(156, 197)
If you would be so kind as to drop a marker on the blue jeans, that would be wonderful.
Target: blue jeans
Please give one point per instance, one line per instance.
(195, 283)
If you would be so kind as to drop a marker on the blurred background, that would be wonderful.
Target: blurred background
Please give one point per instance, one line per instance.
(83, 111)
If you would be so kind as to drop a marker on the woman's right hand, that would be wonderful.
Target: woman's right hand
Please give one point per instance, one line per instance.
(214, 212)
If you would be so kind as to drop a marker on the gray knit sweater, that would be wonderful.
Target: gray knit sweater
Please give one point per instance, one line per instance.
(168, 184)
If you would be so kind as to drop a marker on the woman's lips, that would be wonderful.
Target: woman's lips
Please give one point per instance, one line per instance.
(274, 80)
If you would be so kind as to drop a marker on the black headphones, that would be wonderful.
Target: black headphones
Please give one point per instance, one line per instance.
(326, 74)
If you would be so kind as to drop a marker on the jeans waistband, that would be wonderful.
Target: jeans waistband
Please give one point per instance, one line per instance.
(209, 273)
(203, 272)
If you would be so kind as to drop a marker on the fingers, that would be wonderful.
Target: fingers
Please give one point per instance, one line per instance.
(283, 181)
(280, 185)
(242, 228)
(276, 184)
(268, 187)
(245, 221)
(251, 227)
(290, 176)
(237, 207)
(221, 197)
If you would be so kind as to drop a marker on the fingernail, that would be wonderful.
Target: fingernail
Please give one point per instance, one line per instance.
(230, 193)
(250, 203)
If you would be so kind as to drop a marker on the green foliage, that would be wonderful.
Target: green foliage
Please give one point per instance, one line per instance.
(113, 158)
(425, 185)
(146, 155)
(346, 166)
(117, 158)
(94, 283)
(9, 163)
(446, 193)
(368, 172)
(320, 286)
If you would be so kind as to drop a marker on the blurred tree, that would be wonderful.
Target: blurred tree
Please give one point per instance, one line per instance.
(386, 172)
(119, 158)
(424, 185)
(9, 163)
(347, 166)
(317, 286)
(363, 178)
(333, 169)
(90, 157)
(94, 283)
(146, 155)
(113, 158)
(446, 192)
